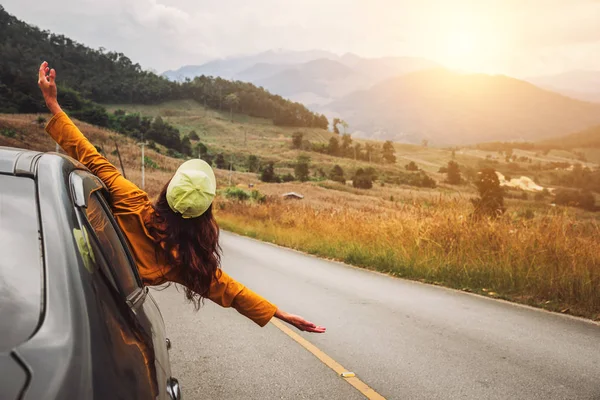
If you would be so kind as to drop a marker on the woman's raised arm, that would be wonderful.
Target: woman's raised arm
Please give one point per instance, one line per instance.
(125, 196)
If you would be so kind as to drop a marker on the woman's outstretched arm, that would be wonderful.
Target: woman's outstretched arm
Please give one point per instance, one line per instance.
(125, 196)
(227, 292)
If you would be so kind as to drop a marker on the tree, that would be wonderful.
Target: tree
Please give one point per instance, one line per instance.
(389, 152)
(491, 194)
(424, 142)
(268, 173)
(253, 163)
(334, 147)
(83, 70)
(362, 180)
(453, 171)
(336, 121)
(358, 151)
(297, 140)
(369, 152)
(231, 100)
(186, 146)
(411, 166)
(346, 144)
(220, 161)
(301, 169)
(337, 174)
(344, 125)
(193, 135)
(201, 150)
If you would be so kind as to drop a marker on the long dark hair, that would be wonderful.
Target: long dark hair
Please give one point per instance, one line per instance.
(189, 245)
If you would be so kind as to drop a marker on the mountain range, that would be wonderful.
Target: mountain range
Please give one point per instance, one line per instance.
(409, 99)
(447, 107)
(582, 85)
(313, 78)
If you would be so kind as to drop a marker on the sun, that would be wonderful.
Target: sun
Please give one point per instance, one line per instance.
(460, 50)
(461, 44)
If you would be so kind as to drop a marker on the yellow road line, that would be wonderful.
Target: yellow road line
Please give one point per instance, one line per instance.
(359, 385)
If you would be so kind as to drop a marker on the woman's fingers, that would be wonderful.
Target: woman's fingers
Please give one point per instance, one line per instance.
(309, 326)
(42, 72)
(52, 75)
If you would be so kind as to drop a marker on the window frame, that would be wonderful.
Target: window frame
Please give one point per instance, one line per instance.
(84, 185)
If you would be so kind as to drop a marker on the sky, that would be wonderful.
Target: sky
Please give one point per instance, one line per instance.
(522, 38)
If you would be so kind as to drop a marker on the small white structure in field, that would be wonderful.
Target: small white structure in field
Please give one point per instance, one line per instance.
(523, 183)
(292, 195)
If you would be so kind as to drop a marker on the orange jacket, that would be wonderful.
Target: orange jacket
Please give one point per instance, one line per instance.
(133, 211)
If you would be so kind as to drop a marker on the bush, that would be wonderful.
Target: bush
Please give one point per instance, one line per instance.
(257, 196)
(267, 173)
(301, 169)
(337, 174)
(40, 120)
(288, 178)
(362, 180)
(234, 193)
(411, 166)
(9, 133)
(582, 199)
(427, 181)
(193, 135)
(149, 163)
(297, 140)
(220, 161)
(253, 163)
(174, 153)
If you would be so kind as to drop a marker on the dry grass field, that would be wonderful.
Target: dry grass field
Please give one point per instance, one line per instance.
(535, 254)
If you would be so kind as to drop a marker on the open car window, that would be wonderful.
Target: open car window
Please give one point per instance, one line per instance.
(110, 245)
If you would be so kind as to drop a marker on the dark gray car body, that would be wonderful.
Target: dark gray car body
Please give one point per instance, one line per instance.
(67, 328)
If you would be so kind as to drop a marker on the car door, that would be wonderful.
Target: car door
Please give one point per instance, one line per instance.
(145, 332)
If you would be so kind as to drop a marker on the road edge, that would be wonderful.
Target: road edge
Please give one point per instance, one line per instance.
(569, 316)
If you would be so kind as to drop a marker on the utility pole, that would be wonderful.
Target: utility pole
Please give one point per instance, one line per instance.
(230, 169)
(245, 137)
(143, 144)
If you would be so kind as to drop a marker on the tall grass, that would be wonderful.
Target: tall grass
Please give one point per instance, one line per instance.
(550, 260)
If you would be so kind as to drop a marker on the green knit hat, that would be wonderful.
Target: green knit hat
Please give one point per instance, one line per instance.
(192, 189)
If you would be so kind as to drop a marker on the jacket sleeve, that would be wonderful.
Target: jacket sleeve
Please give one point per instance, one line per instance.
(226, 292)
(125, 196)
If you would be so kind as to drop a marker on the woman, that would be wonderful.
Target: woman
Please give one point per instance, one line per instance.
(175, 239)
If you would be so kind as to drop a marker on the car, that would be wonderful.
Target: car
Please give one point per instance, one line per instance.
(76, 321)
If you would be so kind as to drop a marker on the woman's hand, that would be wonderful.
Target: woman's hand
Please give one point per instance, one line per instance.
(299, 322)
(47, 84)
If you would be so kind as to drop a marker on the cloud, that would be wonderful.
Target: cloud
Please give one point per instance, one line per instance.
(164, 34)
(151, 14)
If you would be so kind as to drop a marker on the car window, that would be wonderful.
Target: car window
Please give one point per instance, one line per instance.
(111, 246)
(20, 261)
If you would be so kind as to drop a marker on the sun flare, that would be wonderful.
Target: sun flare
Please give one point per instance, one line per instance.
(461, 50)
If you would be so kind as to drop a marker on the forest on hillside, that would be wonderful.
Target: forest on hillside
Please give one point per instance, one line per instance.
(87, 77)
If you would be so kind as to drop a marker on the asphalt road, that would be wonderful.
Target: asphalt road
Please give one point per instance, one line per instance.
(404, 339)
